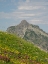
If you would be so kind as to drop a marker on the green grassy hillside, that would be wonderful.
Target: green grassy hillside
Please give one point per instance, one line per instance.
(14, 50)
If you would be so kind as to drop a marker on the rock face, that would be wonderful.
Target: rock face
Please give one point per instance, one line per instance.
(31, 33)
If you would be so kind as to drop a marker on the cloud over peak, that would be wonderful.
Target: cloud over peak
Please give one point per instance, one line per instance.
(26, 9)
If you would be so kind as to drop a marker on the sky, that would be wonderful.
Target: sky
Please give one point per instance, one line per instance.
(12, 12)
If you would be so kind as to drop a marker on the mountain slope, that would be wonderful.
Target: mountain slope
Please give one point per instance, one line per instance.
(14, 50)
(30, 33)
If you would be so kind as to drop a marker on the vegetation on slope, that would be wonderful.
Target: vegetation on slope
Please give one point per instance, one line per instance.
(14, 50)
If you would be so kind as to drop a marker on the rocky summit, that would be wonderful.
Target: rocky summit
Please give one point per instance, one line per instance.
(24, 23)
(30, 33)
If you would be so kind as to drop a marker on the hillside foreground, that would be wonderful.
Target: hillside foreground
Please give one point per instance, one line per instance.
(15, 50)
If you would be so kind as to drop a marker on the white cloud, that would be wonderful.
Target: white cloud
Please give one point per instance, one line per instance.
(21, 15)
(37, 21)
(32, 5)
(28, 15)
(4, 15)
(15, 15)
(29, 7)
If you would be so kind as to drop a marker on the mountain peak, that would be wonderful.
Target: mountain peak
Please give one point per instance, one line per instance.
(24, 23)
(30, 33)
